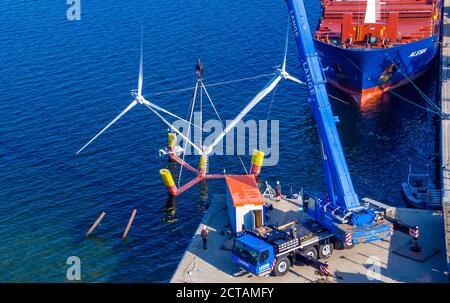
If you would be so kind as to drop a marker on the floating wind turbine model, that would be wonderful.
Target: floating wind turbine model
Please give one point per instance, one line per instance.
(257, 156)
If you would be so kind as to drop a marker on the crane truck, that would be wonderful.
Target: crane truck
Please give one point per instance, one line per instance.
(339, 213)
(274, 248)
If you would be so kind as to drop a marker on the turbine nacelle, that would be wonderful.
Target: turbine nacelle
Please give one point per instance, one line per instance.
(281, 69)
(282, 73)
(140, 100)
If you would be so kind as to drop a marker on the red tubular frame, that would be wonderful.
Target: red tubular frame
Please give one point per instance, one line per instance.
(200, 174)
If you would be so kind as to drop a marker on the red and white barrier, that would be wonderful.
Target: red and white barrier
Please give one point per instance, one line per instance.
(414, 232)
(324, 269)
(348, 239)
(272, 267)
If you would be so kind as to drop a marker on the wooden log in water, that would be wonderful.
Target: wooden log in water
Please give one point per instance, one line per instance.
(125, 234)
(100, 218)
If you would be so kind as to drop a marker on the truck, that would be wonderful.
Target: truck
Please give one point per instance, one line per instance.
(272, 249)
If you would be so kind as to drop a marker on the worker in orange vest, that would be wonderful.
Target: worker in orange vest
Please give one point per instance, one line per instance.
(278, 190)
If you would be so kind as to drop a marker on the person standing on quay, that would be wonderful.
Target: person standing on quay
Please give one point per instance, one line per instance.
(204, 234)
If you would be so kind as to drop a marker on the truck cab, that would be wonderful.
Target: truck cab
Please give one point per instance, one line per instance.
(253, 254)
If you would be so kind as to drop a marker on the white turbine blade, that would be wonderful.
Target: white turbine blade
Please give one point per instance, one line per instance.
(175, 130)
(158, 108)
(130, 106)
(141, 63)
(261, 94)
(293, 79)
(286, 42)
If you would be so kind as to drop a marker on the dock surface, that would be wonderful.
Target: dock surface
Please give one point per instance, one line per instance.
(445, 123)
(358, 264)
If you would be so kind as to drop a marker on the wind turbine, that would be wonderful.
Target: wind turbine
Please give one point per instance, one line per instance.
(139, 99)
(280, 74)
(202, 174)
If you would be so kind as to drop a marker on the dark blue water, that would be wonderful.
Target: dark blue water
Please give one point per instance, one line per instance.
(61, 81)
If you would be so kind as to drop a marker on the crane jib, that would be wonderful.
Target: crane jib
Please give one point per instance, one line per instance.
(308, 78)
(336, 168)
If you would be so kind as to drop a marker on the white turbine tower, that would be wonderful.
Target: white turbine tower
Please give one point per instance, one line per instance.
(139, 99)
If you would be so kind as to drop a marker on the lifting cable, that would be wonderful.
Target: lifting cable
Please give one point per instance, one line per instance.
(221, 122)
(212, 104)
(197, 29)
(194, 96)
(191, 108)
(203, 87)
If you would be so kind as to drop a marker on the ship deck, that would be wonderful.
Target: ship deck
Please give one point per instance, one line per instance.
(214, 264)
(416, 20)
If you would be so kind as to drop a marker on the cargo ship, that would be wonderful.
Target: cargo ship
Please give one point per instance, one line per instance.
(370, 47)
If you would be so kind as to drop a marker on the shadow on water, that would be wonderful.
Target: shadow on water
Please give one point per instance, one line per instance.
(169, 211)
(381, 139)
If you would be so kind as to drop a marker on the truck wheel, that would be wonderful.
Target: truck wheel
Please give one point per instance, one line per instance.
(325, 250)
(310, 252)
(281, 267)
(341, 245)
(338, 244)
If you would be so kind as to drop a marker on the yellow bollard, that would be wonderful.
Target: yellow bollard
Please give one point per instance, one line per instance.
(257, 162)
(166, 176)
(203, 162)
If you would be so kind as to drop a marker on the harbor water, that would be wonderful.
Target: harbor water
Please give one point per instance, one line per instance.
(62, 81)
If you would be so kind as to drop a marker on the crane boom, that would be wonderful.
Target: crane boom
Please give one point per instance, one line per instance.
(335, 164)
(340, 211)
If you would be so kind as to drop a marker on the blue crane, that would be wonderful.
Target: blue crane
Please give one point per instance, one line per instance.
(340, 210)
(342, 218)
